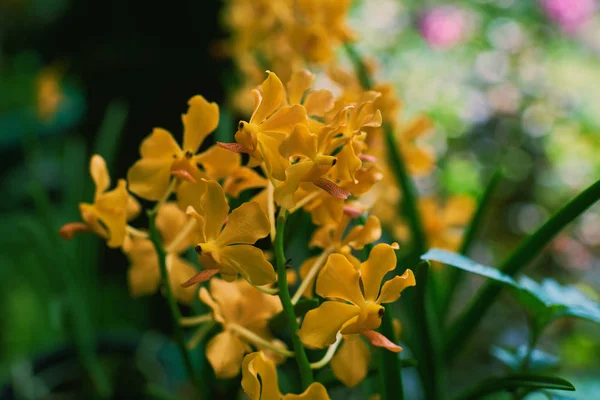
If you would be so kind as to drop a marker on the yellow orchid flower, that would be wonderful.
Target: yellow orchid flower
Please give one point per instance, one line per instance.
(310, 166)
(243, 312)
(269, 125)
(332, 240)
(107, 216)
(162, 156)
(360, 309)
(229, 249)
(259, 381)
(144, 272)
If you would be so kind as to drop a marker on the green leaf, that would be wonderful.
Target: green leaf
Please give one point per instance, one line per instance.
(529, 248)
(513, 358)
(516, 381)
(278, 322)
(466, 264)
(555, 301)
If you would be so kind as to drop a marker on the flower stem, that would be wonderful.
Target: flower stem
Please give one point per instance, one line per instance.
(316, 267)
(166, 196)
(197, 320)
(136, 232)
(431, 366)
(329, 354)
(306, 376)
(257, 340)
(175, 314)
(181, 236)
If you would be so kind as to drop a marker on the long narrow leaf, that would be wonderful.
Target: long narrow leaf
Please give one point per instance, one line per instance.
(529, 248)
(516, 381)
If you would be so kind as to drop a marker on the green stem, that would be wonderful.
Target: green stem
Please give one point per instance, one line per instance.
(390, 374)
(534, 334)
(525, 253)
(455, 274)
(173, 307)
(306, 376)
(396, 162)
(431, 366)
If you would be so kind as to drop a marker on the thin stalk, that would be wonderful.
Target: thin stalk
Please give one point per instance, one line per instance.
(528, 249)
(430, 366)
(257, 340)
(166, 196)
(455, 274)
(314, 270)
(182, 236)
(200, 333)
(306, 376)
(534, 335)
(268, 290)
(196, 320)
(390, 373)
(136, 232)
(329, 354)
(173, 307)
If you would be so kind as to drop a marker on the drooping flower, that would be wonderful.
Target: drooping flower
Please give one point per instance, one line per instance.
(243, 312)
(229, 249)
(356, 310)
(259, 381)
(107, 216)
(144, 273)
(162, 157)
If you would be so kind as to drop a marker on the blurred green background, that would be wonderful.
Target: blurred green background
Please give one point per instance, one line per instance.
(507, 82)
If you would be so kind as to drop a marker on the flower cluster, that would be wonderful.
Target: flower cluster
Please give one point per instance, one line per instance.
(306, 151)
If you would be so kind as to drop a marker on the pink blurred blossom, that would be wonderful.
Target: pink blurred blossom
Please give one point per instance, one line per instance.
(443, 26)
(570, 15)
